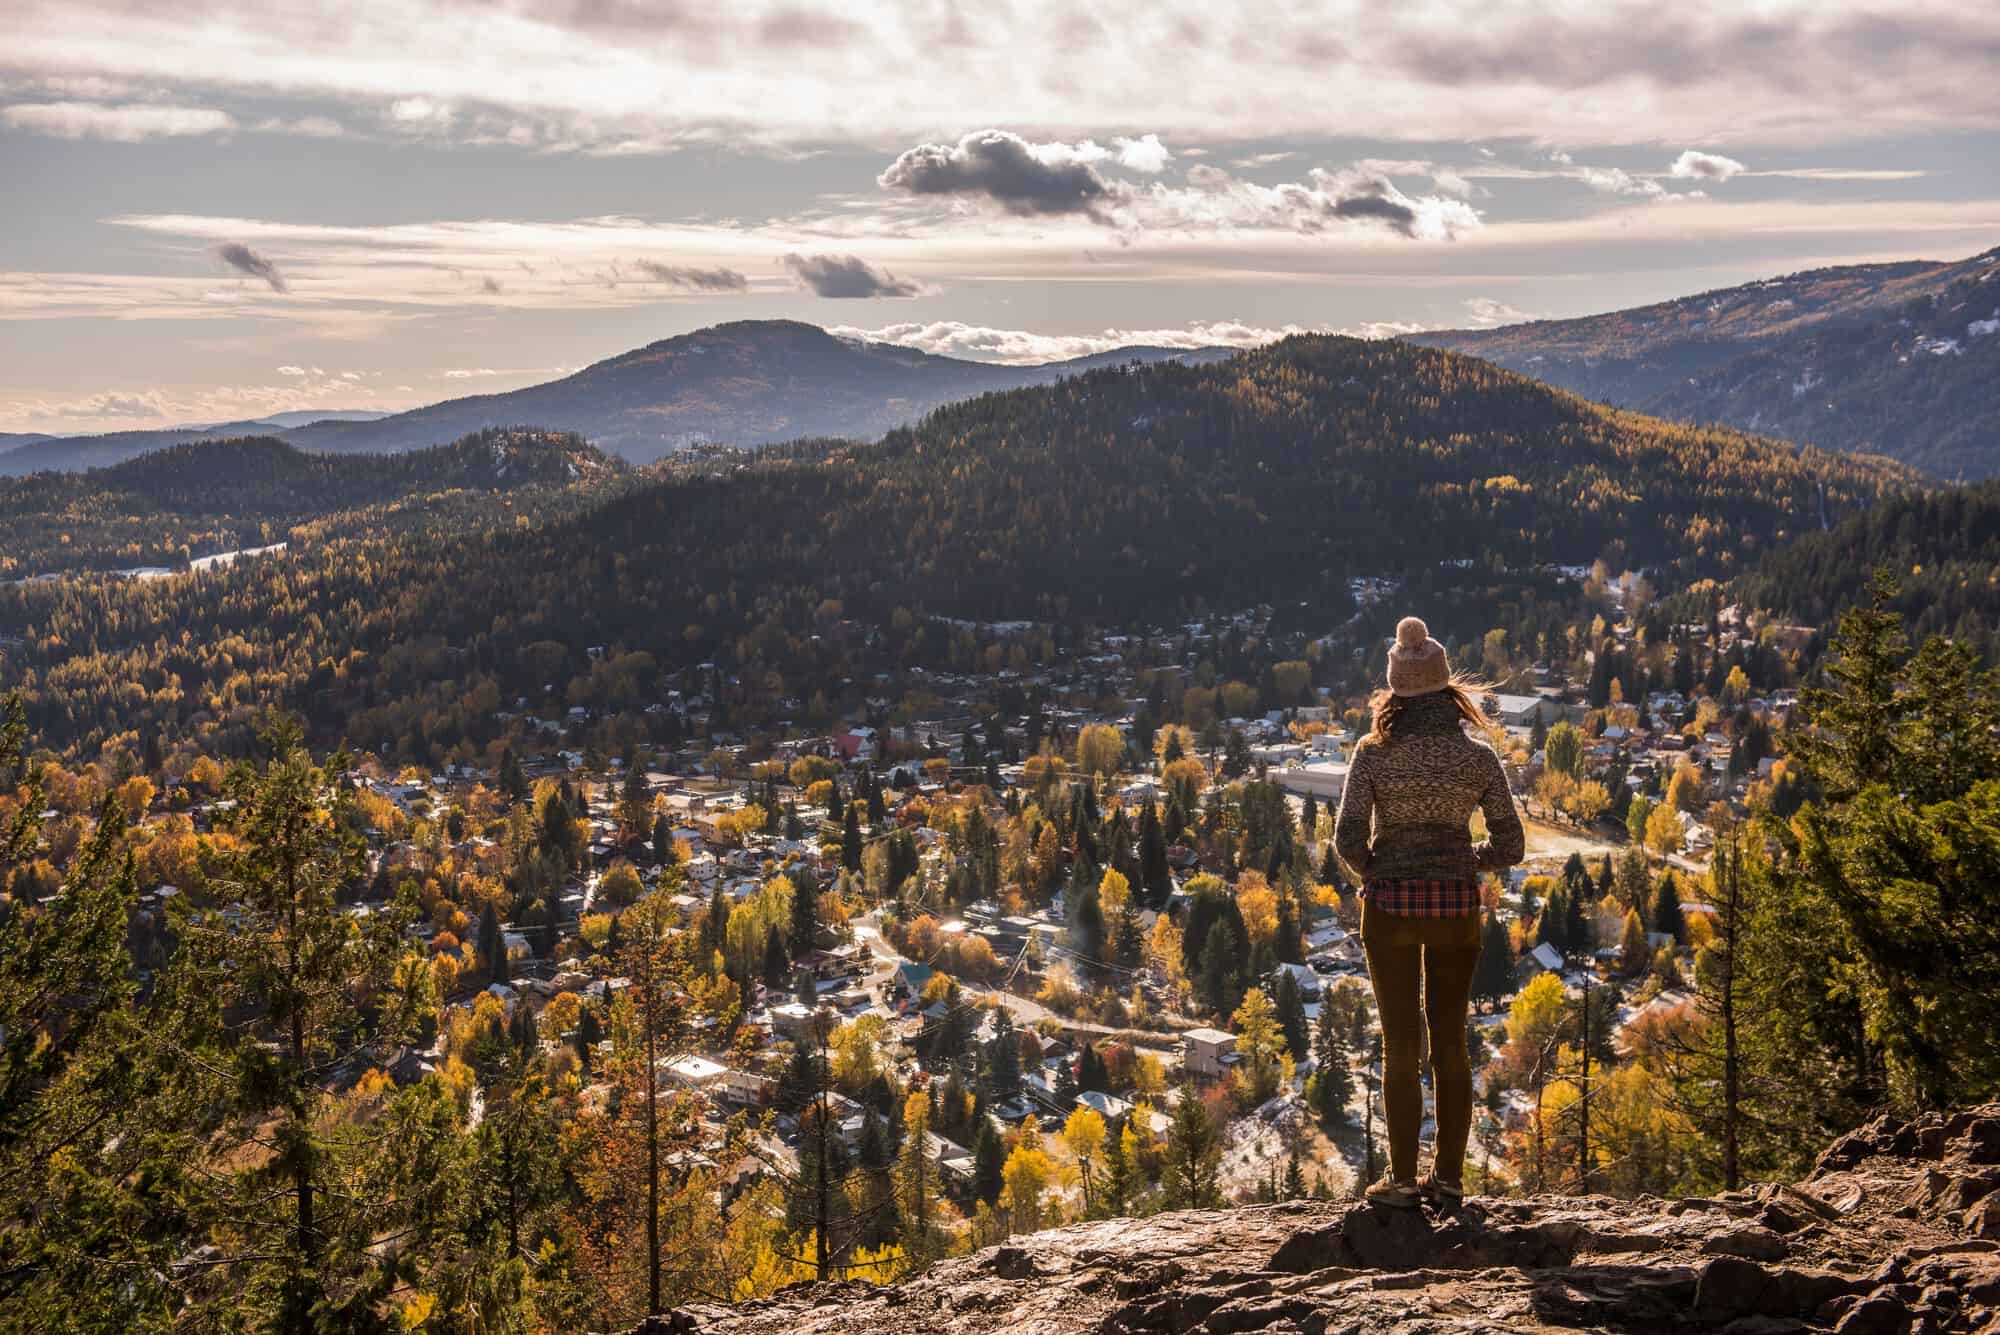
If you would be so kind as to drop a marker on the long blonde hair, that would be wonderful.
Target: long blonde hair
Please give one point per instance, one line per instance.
(1465, 690)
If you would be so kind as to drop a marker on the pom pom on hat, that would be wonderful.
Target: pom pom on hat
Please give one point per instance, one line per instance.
(1411, 632)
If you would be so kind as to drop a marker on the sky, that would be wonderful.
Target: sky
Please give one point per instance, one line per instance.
(218, 209)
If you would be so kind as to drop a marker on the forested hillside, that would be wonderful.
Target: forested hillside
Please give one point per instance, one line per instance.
(1894, 359)
(1943, 548)
(1107, 499)
(193, 499)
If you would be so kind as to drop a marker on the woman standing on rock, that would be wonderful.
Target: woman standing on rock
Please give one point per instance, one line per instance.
(1404, 831)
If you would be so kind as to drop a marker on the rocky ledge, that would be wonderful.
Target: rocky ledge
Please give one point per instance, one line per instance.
(1896, 1231)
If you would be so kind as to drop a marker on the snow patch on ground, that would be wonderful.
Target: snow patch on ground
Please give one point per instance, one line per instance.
(1806, 381)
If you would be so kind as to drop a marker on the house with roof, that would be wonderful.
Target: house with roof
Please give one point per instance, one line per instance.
(1208, 1054)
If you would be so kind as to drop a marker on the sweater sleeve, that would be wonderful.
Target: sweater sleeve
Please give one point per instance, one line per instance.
(1506, 843)
(1355, 823)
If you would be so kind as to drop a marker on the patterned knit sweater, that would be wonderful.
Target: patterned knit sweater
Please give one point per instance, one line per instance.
(1405, 810)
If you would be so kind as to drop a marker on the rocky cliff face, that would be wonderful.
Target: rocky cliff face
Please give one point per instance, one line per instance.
(1897, 1231)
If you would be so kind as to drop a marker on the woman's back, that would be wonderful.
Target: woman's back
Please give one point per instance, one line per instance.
(1406, 809)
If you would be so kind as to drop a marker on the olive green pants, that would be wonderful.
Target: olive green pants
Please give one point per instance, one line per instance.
(1422, 972)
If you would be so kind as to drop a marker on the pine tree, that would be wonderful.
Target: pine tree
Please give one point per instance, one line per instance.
(1154, 872)
(1193, 1156)
(850, 842)
(1493, 975)
(513, 781)
(989, 1161)
(1292, 1016)
(1004, 1056)
(1333, 1078)
(877, 810)
(1295, 1178)
(1128, 943)
(777, 960)
(804, 931)
(297, 959)
(1667, 915)
(488, 944)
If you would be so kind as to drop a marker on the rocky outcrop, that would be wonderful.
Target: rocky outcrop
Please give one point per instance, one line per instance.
(1896, 1232)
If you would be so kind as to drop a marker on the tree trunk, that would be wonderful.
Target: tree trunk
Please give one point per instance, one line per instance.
(652, 1170)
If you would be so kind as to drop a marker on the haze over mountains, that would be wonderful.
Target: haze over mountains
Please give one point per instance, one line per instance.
(748, 382)
(1899, 359)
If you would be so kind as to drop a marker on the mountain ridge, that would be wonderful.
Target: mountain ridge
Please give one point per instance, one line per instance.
(743, 382)
(1900, 359)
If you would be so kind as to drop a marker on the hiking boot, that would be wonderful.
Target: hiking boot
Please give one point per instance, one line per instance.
(1399, 1195)
(1443, 1196)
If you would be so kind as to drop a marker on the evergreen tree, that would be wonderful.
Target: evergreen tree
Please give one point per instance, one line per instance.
(804, 931)
(1003, 1055)
(1193, 1156)
(1295, 1178)
(1154, 872)
(1493, 975)
(777, 960)
(299, 961)
(1292, 1016)
(1091, 1073)
(850, 842)
(1128, 943)
(487, 944)
(1333, 1078)
(513, 781)
(989, 1161)
(1667, 915)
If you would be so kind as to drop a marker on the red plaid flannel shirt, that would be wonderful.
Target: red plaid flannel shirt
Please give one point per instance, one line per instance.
(1424, 899)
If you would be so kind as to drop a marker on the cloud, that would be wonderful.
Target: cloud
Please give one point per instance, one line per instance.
(419, 111)
(309, 127)
(1845, 173)
(1694, 165)
(1144, 154)
(245, 260)
(848, 276)
(1486, 312)
(773, 72)
(1451, 183)
(997, 165)
(693, 278)
(1361, 194)
(1618, 181)
(292, 370)
(1264, 159)
(952, 338)
(130, 123)
(110, 404)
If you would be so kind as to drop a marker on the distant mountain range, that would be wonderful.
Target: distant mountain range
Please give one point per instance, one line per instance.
(1112, 499)
(1898, 359)
(749, 382)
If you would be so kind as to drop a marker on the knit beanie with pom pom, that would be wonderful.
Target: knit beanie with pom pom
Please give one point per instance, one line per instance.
(1416, 662)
